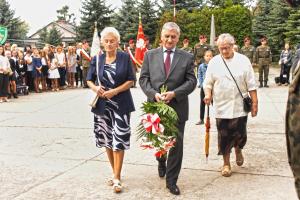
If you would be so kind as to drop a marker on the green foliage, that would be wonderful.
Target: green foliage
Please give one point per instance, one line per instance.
(43, 36)
(262, 20)
(168, 117)
(93, 11)
(278, 17)
(181, 4)
(54, 37)
(149, 18)
(126, 20)
(234, 20)
(63, 14)
(17, 29)
(292, 27)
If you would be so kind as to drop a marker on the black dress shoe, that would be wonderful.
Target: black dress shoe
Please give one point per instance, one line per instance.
(174, 189)
(15, 95)
(162, 169)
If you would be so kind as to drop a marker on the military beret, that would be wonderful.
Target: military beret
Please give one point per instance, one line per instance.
(131, 41)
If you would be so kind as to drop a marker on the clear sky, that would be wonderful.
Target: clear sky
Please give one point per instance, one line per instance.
(38, 13)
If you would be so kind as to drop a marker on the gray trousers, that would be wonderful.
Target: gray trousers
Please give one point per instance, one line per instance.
(174, 159)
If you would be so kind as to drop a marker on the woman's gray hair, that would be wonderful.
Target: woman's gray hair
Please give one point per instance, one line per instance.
(226, 38)
(110, 30)
(171, 26)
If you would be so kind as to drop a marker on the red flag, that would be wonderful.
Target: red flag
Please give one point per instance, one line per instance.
(140, 44)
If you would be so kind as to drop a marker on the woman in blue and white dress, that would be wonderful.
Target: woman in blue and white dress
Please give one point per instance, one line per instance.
(112, 111)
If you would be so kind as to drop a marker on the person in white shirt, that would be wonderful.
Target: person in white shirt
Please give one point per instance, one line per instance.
(4, 75)
(219, 85)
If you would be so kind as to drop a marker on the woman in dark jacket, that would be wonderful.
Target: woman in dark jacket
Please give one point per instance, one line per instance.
(285, 63)
(113, 70)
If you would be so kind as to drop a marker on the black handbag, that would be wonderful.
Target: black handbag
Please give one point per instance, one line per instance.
(247, 101)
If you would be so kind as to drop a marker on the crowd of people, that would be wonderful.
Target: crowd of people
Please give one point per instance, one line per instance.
(48, 69)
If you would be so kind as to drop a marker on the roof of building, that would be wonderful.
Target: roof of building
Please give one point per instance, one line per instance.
(61, 24)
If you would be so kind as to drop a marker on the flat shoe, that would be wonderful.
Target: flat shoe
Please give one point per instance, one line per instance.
(226, 171)
(110, 181)
(117, 187)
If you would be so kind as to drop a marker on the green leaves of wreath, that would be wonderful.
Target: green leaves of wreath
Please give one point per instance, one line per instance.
(168, 117)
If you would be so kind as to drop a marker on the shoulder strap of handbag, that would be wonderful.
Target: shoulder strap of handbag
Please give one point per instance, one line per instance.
(232, 77)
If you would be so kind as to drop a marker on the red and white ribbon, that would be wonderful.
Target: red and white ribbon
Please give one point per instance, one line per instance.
(151, 123)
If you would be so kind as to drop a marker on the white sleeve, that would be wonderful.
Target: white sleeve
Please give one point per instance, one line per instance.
(208, 80)
(250, 77)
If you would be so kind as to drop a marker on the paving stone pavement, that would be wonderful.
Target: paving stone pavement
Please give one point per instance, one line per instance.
(47, 151)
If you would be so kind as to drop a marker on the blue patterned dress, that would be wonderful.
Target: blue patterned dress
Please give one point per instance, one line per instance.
(112, 129)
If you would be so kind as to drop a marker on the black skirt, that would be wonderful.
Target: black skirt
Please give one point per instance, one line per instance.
(45, 69)
(231, 133)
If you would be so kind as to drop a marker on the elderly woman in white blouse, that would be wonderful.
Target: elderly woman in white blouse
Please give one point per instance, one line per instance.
(219, 85)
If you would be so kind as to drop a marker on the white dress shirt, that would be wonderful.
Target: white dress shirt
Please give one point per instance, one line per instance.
(166, 53)
(227, 100)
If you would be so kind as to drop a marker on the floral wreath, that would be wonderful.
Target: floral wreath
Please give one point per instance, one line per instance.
(158, 127)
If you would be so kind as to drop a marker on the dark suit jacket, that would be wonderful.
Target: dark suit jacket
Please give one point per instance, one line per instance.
(181, 78)
(123, 74)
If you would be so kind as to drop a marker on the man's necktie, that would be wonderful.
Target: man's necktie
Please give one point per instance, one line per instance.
(168, 62)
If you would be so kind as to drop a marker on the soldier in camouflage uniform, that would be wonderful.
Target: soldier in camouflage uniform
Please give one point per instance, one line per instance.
(248, 50)
(292, 126)
(263, 57)
(85, 62)
(186, 47)
(200, 49)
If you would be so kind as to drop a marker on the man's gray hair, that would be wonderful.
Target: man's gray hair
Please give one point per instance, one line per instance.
(171, 26)
(226, 38)
(110, 30)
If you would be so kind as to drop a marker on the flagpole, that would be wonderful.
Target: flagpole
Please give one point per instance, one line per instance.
(174, 10)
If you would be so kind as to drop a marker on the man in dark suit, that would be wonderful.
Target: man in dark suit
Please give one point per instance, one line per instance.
(173, 68)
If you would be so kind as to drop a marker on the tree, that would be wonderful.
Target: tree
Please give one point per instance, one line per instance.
(168, 5)
(292, 27)
(236, 20)
(261, 21)
(63, 14)
(54, 37)
(17, 29)
(43, 36)
(278, 18)
(149, 18)
(93, 11)
(226, 3)
(127, 20)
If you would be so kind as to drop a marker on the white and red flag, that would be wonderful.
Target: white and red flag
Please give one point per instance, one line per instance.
(140, 44)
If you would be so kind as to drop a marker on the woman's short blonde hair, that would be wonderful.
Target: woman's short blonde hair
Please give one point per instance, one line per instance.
(110, 30)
